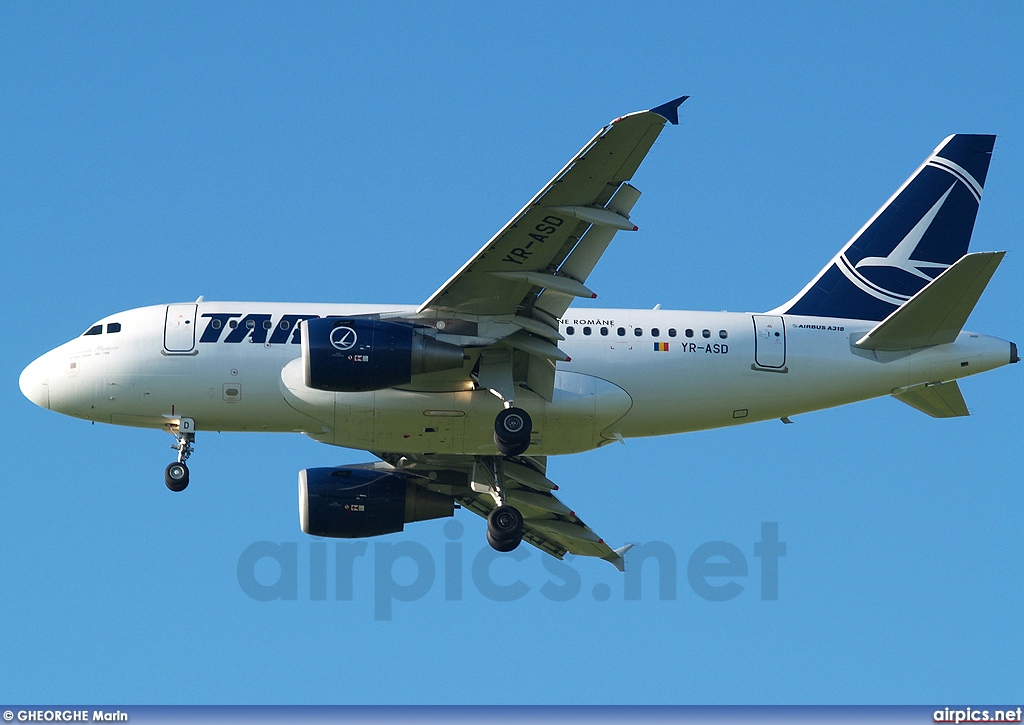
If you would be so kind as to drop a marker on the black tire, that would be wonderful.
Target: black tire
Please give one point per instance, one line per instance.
(512, 429)
(176, 476)
(502, 545)
(504, 523)
(516, 449)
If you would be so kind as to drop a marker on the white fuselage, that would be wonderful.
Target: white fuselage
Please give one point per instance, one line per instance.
(632, 373)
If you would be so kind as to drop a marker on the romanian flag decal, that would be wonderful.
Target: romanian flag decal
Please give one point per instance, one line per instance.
(661, 347)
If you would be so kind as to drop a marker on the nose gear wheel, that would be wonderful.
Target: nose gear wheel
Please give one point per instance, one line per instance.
(176, 474)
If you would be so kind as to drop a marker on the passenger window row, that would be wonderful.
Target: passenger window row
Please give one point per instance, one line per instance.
(249, 324)
(639, 331)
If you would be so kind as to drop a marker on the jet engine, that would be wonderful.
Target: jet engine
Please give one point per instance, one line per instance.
(350, 502)
(352, 355)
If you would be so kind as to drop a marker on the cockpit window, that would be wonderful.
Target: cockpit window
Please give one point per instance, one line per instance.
(113, 327)
(94, 330)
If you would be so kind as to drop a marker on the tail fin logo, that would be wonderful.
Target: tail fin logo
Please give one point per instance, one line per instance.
(902, 256)
(922, 230)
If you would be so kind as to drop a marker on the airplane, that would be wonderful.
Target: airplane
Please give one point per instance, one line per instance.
(463, 398)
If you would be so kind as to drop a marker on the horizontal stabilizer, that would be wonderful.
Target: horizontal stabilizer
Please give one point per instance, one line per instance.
(939, 400)
(936, 314)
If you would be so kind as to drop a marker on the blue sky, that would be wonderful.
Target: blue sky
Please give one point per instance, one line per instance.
(153, 153)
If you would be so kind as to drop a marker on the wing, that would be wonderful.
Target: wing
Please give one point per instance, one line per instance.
(534, 252)
(505, 303)
(513, 291)
(548, 523)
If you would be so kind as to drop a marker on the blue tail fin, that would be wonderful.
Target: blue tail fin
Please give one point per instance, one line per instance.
(924, 228)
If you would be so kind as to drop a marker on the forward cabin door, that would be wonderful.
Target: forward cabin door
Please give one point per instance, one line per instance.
(180, 328)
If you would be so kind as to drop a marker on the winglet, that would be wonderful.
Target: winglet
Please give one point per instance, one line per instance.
(617, 559)
(670, 111)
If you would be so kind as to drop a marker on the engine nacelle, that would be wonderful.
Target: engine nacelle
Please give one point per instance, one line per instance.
(352, 355)
(349, 502)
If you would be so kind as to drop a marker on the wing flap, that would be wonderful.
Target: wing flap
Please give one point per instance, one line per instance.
(548, 524)
(545, 516)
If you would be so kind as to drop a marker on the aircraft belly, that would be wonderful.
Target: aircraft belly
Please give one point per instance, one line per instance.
(462, 422)
(457, 422)
(582, 409)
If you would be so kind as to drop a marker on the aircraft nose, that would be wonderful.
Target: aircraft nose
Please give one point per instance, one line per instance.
(35, 382)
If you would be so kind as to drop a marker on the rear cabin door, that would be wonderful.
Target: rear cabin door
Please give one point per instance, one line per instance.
(180, 328)
(769, 341)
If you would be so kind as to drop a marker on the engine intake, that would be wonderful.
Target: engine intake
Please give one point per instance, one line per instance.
(352, 355)
(349, 502)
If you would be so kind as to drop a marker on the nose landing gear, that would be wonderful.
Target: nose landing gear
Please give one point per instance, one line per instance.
(176, 476)
(176, 473)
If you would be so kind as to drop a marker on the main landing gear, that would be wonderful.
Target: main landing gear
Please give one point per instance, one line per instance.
(504, 522)
(504, 528)
(512, 429)
(176, 474)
